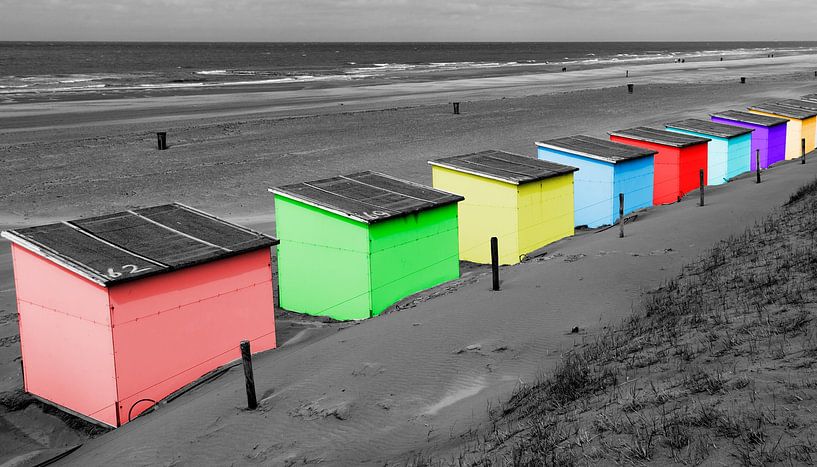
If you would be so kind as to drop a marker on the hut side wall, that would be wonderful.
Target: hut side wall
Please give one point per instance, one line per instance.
(777, 144)
(810, 133)
(545, 212)
(693, 160)
(65, 337)
(666, 170)
(489, 210)
(717, 162)
(323, 262)
(170, 329)
(592, 187)
(634, 178)
(412, 253)
(740, 155)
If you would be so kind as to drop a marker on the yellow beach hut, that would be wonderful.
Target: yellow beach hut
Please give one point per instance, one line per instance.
(801, 125)
(525, 202)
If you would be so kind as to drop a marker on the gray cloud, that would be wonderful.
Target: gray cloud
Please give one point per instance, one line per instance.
(305, 20)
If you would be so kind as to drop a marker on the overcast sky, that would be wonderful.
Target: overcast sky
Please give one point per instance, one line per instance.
(408, 20)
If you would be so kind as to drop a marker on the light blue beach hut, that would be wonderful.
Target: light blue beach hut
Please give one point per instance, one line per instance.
(605, 170)
(730, 147)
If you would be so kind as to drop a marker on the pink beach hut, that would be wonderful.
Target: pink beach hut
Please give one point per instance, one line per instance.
(119, 311)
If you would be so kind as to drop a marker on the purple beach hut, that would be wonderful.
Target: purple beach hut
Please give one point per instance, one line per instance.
(769, 136)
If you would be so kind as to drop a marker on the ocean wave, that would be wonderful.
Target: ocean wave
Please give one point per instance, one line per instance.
(354, 70)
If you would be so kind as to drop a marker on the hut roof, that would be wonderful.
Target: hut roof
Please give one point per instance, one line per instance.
(504, 166)
(667, 138)
(710, 128)
(596, 148)
(367, 197)
(784, 110)
(749, 117)
(133, 244)
(800, 104)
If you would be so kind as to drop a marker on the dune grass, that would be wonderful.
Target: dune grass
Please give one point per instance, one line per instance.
(715, 367)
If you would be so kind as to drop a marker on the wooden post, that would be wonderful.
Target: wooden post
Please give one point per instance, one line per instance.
(621, 215)
(630, 88)
(757, 161)
(701, 177)
(627, 73)
(495, 262)
(803, 150)
(456, 108)
(564, 68)
(161, 138)
(246, 358)
(742, 80)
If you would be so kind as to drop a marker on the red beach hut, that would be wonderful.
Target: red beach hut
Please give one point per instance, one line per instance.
(119, 311)
(678, 162)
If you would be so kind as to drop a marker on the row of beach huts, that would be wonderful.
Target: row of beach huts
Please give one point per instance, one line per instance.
(117, 312)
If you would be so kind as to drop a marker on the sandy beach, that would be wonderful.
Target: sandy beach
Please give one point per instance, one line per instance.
(410, 381)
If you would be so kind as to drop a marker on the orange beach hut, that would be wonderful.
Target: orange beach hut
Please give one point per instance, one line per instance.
(119, 311)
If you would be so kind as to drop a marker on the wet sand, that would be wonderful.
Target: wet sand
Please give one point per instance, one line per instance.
(382, 388)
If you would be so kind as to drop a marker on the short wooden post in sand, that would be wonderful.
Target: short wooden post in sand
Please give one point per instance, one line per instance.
(757, 167)
(456, 108)
(161, 138)
(621, 215)
(742, 80)
(701, 177)
(630, 88)
(495, 262)
(803, 150)
(246, 358)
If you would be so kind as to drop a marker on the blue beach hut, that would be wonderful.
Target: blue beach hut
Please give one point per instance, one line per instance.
(730, 147)
(605, 170)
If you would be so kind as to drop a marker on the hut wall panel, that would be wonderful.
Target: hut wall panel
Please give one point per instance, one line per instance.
(183, 324)
(634, 178)
(666, 170)
(777, 144)
(545, 212)
(489, 210)
(693, 159)
(412, 253)
(65, 337)
(592, 187)
(810, 133)
(740, 155)
(314, 270)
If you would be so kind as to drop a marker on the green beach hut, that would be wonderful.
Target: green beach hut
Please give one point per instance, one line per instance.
(353, 245)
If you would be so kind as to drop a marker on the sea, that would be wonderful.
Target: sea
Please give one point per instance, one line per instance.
(49, 70)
